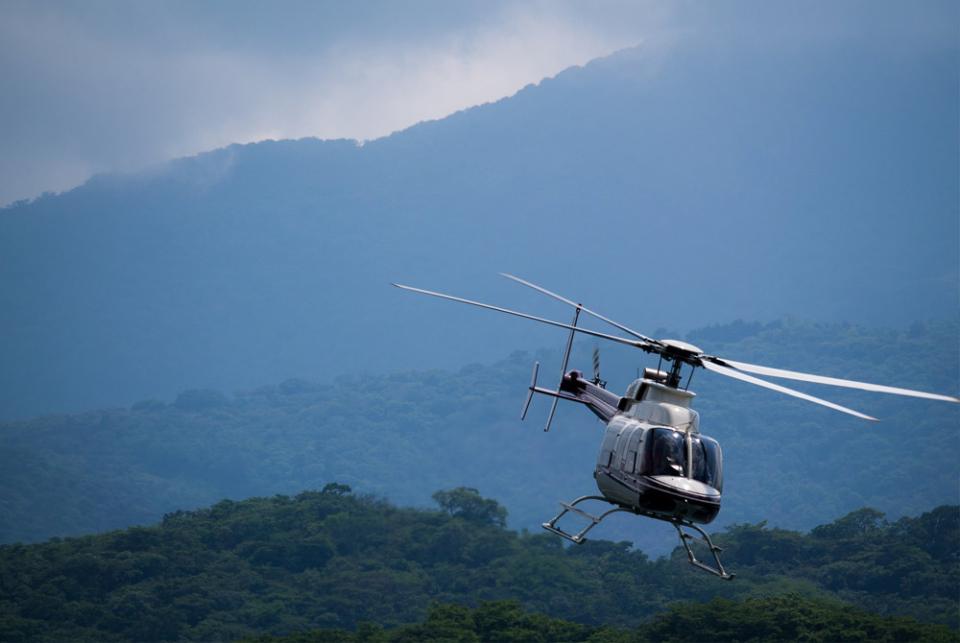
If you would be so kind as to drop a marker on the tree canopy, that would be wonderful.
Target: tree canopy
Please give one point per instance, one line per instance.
(335, 560)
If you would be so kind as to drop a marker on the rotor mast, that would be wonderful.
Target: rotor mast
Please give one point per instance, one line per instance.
(678, 353)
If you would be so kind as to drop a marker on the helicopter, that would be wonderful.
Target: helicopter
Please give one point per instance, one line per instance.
(653, 460)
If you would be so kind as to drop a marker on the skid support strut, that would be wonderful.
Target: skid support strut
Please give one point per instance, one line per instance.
(680, 525)
(578, 537)
(686, 537)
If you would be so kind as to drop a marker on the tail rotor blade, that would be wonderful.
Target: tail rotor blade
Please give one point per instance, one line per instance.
(834, 381)
(530, 391)
(553, 409)
(737, 375)
(563, 366)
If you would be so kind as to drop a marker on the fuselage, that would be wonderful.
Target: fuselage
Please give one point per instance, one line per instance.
(653, 458)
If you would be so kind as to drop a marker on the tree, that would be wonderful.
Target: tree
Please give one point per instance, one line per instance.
(467, 503)
(854, 524)
(336, 489)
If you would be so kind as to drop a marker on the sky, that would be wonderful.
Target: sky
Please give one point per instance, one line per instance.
(122, 85)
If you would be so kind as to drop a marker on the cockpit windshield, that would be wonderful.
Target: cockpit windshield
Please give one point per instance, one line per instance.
(707, 461)
(665, 454)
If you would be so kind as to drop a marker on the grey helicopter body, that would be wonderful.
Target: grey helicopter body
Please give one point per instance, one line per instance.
(653, 461)
(652, 455)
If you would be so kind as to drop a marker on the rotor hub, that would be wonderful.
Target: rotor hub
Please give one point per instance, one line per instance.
(676, 348)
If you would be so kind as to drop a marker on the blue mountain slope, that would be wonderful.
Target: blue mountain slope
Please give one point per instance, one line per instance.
(407, 435)
(676, 189)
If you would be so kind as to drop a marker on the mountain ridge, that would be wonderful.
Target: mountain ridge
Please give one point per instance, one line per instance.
(664, 194)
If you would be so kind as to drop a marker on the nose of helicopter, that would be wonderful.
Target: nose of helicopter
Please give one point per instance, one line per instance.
(688, 486)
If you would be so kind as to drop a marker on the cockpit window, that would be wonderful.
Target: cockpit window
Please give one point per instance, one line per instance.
(707, 461)
(665, 454)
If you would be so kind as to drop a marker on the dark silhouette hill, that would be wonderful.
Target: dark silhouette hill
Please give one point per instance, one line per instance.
(677, 188)
(332, 559)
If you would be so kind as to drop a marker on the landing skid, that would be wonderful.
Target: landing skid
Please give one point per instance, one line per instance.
(680, 525)
(715, 550)
(578, 538)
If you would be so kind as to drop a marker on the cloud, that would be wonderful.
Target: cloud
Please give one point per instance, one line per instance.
(117, 86)
(122, 89)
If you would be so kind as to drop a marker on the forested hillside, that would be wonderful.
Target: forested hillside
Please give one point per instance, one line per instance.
(332, 559)
(665, 188)
(404, 436)
(789, 617)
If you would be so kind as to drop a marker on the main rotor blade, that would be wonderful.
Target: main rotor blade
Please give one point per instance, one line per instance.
(833, 381)
(580, 306)
(613, 338)
(737, 375)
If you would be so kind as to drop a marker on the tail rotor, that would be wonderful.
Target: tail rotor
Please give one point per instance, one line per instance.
(563, 368)
(530, 391)
(557, 395)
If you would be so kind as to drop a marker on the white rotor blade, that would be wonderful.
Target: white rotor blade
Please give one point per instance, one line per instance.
(613, 338)
(833, 381)
(737, 375)
(580, 306)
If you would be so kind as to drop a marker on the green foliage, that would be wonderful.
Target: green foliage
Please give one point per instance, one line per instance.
(853, 525)
(466, 503)
(782, 618)
(504, 621)
(336, 560)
